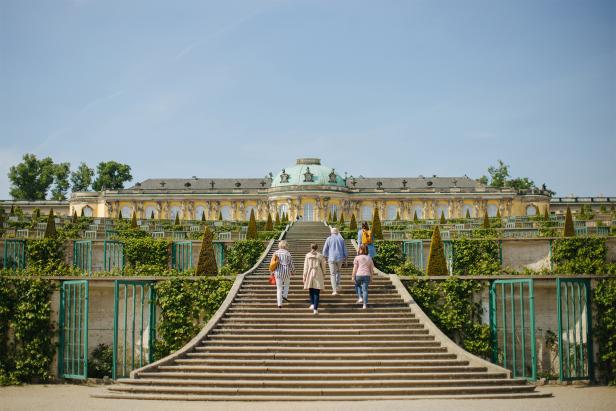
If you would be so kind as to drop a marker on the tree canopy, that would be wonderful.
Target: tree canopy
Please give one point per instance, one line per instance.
(82, 177)
(499, 178)
(31, 179)
(111, 175)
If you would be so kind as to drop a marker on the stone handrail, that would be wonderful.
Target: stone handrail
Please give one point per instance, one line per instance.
(215, 318)
(440, 336)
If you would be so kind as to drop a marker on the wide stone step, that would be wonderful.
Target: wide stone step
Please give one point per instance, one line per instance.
(357, 337)
(349, 363)
(326, 384)
(314, 319)
(306, 350)
(315, 332)
(453, 375)
(226, 324)
(297, 369)
(331, 305)
(319, 356)
(352, 310)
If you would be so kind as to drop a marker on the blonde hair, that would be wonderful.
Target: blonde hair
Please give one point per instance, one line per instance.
(283, 244)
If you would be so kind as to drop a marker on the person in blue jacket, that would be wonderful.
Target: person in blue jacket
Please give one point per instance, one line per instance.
(335, 252)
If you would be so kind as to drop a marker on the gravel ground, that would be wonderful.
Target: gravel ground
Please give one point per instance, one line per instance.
(77, 397)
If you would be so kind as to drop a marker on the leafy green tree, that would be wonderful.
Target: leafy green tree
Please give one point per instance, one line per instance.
(377, 231)
(60, 181)
(82, 177)
(269, 225)
(31, 179)
(207, 258)
(499, 174)
(251, 233)
(520, 183)
(483, 180)
(50, 229)
(569, 230)
(111, 175)
(353, 223)
(437, 265)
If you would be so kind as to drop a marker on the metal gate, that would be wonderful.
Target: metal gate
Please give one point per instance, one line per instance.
(181, 255)
(82, 255)
(134, 325)
(512, 326)
(113, 255)
(14, 254)
(73, 327)
(574, 329)
(448, 248)
(413, 250)
(219, 252)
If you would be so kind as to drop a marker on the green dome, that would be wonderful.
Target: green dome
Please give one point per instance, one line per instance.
(308, 172)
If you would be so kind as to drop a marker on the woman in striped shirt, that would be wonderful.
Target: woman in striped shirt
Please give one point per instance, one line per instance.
(283, 272)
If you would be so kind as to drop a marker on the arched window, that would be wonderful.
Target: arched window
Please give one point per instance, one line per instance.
(392, 212)
(199, 211)
(226, 213)
(175, 210)
(87, 211)
(470, 210)
(366, 213)
(248, 209)
(333, 209)
(151, 212)
(531, 210)
(283, 209)
(308, 212)
(492, 210)
(444, 210)
(126, 212)
(418, 211)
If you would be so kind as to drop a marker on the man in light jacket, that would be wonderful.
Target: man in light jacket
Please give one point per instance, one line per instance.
(335, 252)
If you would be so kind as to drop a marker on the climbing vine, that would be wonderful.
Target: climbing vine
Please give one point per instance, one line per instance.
(452, 308)
(146, 251)
(584, 255)
(26, 354)
(46, 254)
(476, 257)
(604, 299)
(388, 256)
(185, 306)
(242, 256)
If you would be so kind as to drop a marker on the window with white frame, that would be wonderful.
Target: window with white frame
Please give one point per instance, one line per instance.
(151, 212)
(366, 213)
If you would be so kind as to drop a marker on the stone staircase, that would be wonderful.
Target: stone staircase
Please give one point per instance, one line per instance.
(256, 351)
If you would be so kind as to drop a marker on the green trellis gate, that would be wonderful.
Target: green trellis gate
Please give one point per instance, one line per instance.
(73, 328)
(113, 255)
(14, 254)
(512, 327)
(181, 255)
(574, 329)
(134, 325)
(82, 255)
(413, 250)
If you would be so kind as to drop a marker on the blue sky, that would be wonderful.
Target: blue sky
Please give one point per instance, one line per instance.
(381, 88)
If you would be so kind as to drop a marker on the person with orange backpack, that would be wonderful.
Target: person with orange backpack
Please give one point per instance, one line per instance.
(364, 236)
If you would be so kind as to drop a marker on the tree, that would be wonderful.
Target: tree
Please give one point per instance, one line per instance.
(207, 258)
(50, 229)
(483, 180)
(269, 225)
(251, 233)
(111, 176)
(437, 265)
(468, 213)
(499, 174)
(31, 179)
(377, 231)
(335, 216)
(36, 214)
(12, 210)
(486, 221)
(342, 220)
(569, 230)
(443, 220)
(520, 183)
(546, 213)
(202, 215)
(415, 218)
(353, 223)
(277, 219)
(398, 215)
(498, 214)
(60, 181)
(83, 213)
(220, 216)
(152, 215)
(177, 219)
(329, 216)
(74, 219)
(133, 220)
(82, 178)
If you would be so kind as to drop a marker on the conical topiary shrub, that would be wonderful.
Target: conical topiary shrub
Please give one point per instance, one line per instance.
(398, 215)
(203, 216)
(269, 225)
(133, 220)
(569, 230)
(50, 229)
(486, 220)
(437, 265)
(277, 219)
(207, 257)
(177, 219)
(152, 215)
(335, 217)
(415, 218)
(329, 216)
(36, 214)
(83, 212)
(468, 213)
(12, 212)
(220, 216)
(546, 213)
(442, 219)
(74, 218)
(377, 231)
(342, 220)
(251, 233)
(498, 214)
(353, 223)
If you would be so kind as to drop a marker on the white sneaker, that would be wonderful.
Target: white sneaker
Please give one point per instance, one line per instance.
(315, 312)
(311, 307)
(359, 301)
(334, 293)
(365, 306)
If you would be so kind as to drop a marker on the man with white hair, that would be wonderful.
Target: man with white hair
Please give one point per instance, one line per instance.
(335, 252)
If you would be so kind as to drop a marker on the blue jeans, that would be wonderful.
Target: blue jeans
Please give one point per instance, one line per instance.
(314, 297)
(361, 287)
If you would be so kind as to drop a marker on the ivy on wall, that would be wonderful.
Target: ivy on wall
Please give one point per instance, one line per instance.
(242, 256)
(476, 257)
(388, 256)
(450, 305)
(26, 353)
(46, 254)
(185, 306)
(146, 251)
(604, 298)
(581, 255)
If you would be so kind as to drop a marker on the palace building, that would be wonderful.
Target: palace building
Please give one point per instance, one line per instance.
(311, 191)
